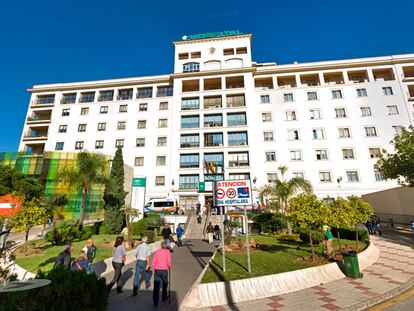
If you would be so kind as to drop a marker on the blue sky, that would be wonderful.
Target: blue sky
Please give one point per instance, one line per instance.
(61, 41)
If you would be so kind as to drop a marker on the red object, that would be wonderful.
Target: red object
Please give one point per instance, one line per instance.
(9, 205)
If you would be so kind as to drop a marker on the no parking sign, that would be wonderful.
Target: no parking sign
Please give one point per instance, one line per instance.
(232, 193)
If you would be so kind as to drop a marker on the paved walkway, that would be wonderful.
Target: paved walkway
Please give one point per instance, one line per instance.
(187, 263)
(394, 268)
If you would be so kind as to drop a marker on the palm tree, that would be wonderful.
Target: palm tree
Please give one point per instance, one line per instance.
(89, 170)
(283, 190)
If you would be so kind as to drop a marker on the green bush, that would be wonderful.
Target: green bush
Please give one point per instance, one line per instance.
(349, 233)
(317, 236)
(139, 226)
(270, 222)
(155, 222)
(288, 237)
(69, 290)
(150, 234)
(64, 232)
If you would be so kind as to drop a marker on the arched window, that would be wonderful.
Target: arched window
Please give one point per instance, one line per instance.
(234, 63)
(212, 65)
(191, 67)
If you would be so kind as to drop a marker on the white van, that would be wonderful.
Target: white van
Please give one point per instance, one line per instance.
(168, 206)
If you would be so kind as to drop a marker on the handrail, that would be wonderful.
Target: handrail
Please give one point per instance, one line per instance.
(189, 217)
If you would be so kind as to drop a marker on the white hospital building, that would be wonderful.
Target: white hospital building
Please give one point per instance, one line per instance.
(326, 121)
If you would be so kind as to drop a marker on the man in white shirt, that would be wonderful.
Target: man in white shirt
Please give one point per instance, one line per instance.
(142, 267)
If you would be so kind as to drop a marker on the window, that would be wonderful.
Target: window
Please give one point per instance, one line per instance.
(45, 99)
(88, 97)
(340, 113)
(362, 92)
(123, 108)
(271, 177)
(325, 177)
(237, 159)
(162, 123)
(352, 176)
(348, 154)
(296, 155)
(190, 103)
(370, 131)
(84, 111)
(119, 143)
(163, 105)
(121, 125)
(189, 160)
(228, 51)
(270, 156)
(188, 122)
(315, 114)
(397, 129)
(79, 145)
(99, 144)
(387, 90)
(239, 176)
(318, 134)
(68, 98)
(106, 96)
(161, 160)
(144, 92)
(237, 138)
(82, 128)
(65, 112)
(103, 109)
(160, 180)
(321, 154)
(142, 124)
(59, 145)
(266, 117)
(211, 102)
(344, 132)
(191, 67)
(213, 120)
(392, 110)
(125, 94)
(293, 134)
(268, 136)
(101, 126)
(236, 119)
(188, 181)
(290, 115)
(195, 54)
(140, 142)
(182, 56)
(264, 99)
(242, 50)
(217, 159)
(139, 161)
(365, 111)
(189, 140)
(298, 175)
(378, 176)
(143, 107)
(336, 94)
(162, 141)
(63, 128)
(374, 153)
(213, 139)
(312, 95)
(235, 101)
(288, 97)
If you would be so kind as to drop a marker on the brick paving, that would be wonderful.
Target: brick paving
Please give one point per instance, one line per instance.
(394, 267)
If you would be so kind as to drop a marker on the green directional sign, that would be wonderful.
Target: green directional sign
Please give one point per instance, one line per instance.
(201, 186)
(139, 182)
(215, 34)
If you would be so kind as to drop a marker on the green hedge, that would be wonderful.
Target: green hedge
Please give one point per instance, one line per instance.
(69, 290)
(349, 233)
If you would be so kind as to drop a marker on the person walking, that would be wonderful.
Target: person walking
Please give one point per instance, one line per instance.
(80, 263)
(328, 241)
(217, 232)
(90, 251)
(166, 232)
(142, 265)
(161, 265)
(180, 232)
(118, 260)
(64, 258)
(210, 231)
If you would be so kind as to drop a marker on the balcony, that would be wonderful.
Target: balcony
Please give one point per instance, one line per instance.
(212, 84)
(191, 86)
(165, 91)
(34, 149)
(310, 80)
(235, 101)
(408, 73)
(286, 82)
(43, 102)
(360, 76)
(40, 117)
(124, 94)
(235, 82)
(411, 92)
(36, 133)
(211, 102)
(386, 74)
(144, 92)
(333, 78)
(263, 84)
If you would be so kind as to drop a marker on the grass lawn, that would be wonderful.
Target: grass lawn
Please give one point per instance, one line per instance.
(42, 254)
(276, 257)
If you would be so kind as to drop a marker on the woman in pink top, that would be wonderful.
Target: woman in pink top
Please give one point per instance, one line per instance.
(161, 264)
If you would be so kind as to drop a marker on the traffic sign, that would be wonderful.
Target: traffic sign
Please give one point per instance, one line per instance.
(9, 205)
(220, 193)
(139, 182)
(232, 193)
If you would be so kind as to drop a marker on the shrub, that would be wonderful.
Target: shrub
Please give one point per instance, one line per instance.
(288, 237)
(64, 232)
(349, 233)
(317, 236)
(150, 234)
(139, 226)
(270, 222)
(69, 290)
(155, 222)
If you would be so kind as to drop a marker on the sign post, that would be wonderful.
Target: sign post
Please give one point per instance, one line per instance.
(234, 193)
(9, 205)
(139, 182)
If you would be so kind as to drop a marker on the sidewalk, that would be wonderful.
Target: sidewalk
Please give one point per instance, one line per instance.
(187, 263)
(394, 268)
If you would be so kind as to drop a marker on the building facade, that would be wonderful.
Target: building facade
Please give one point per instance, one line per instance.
(326, 121)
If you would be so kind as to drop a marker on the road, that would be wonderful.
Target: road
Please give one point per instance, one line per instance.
(403, 302)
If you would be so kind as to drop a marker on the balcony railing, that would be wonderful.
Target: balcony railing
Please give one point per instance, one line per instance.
(38, 119)
(32, 135)
(43, 102)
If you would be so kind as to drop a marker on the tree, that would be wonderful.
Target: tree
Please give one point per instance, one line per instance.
(361, 213)
(307, 212)
(399, 165)
(88, 170)
(28, 216)
(114, 195)
(55, 206)
(15, 182)
(129, 213)
(339, 214)
(283, 190)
